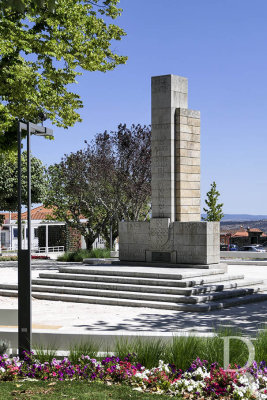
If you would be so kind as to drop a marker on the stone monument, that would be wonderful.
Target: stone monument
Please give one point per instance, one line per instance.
(175, 234)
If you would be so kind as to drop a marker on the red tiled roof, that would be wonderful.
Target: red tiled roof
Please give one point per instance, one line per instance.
(40, 213)
(6, 215)
(240, 234)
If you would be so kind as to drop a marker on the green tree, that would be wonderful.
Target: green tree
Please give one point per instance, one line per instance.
(20, 5)
(42, 50)
(107, 182)
(214, 210)
(9, 181)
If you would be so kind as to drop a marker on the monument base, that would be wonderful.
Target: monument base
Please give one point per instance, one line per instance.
(160, 240)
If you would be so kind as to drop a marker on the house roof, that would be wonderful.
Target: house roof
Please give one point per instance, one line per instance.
(37, 213)
(242, 232)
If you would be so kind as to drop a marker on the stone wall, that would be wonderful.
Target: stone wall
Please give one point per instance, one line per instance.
(187, 165)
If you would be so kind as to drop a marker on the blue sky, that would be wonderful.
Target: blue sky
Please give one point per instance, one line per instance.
(221, 47)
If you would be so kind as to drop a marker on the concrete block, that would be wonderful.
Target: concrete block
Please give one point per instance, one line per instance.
(184, 144)
(138, 227)
(187, 161)
(185, 112)
(178, 98)
(213, 227)
(214, 259)
(161, 147)
(187, 201)
(190, 169)
(185, 128)
(162, 131)
(188, 177)
(193, 121)
(124, 251)
(123, 228)
(181, 120)
(196, 130)
(187, 185)
(163, 212)
(157, 183)
(161, 116)
(190, 228)
(189, 153)
(162, 87)
(189, 137)
(187, 217)
(188, 209)
(193, 114)
(180, 84)
(190, 193)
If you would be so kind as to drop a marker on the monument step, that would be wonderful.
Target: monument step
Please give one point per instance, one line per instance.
(200, 289)
(141, 296)
(142, 281)
(117, 262)
(178, 274)
(199, 307)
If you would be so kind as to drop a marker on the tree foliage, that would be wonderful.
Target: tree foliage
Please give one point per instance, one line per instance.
(43, 49)
(214, 210)
(105, 183)
(9, 181)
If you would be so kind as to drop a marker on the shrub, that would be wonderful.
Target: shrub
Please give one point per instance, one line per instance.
(79, 255)
(8, 258)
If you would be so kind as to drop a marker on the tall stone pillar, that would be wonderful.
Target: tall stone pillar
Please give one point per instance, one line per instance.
(169, 92)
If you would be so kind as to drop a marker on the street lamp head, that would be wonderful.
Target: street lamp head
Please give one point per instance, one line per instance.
(43, 132)
(34, 129)
(42, 116)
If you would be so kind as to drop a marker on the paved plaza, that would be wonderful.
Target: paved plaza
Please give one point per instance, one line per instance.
(81, 318)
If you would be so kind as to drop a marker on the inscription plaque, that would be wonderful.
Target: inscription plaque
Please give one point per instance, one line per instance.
(161, 256)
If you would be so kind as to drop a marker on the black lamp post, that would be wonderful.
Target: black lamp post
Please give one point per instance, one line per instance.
(24, 255)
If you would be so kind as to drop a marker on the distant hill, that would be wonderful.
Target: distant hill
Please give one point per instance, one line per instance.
(242, 217)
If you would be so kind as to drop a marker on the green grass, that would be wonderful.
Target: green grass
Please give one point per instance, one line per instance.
(80, 390)
(81, 254)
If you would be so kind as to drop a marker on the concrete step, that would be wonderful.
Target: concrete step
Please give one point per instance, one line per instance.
(141, 296)
(117, 262)
(9, 292)
(201, 289)
(142, 281)
(111, 271)
(200, 307)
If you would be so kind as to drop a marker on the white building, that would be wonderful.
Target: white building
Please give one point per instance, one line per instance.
(44, 230)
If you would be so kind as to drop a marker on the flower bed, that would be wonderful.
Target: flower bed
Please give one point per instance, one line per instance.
(200, 381)
(37, 257)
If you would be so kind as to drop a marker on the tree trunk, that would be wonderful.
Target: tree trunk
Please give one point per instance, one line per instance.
(89, 242)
